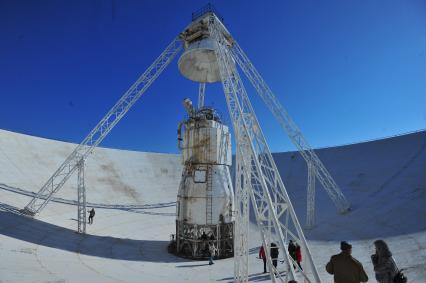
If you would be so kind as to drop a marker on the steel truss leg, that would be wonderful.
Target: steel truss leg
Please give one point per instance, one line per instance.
(290, 128)
(81, 188)
(102, 129)
(201, 94)
(268, 193)
(310, 205)
(242, 183)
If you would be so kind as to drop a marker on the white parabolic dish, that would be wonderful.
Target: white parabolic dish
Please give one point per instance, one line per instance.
(134, 195)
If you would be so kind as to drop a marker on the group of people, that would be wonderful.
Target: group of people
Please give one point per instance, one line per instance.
(274, 255)
(293, 250)
(344, 267)
(347, 269)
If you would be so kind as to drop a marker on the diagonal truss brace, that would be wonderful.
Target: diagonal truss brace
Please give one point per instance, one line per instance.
(291, 129)
(310, 215)
(95, 137)
(267, 191)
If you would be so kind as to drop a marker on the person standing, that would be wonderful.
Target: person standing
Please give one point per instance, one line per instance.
(212, 250)
(262, 255)
(298, 256)
(91, 215)
(274, 254)
(345, 268)
(292, 251)
(384, 266)
(204, 244)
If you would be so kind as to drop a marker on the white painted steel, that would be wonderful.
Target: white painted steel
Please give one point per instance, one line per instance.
(201, 94)
(310, 208)
(290, 127)
(207, 142)
(267, 189)
(198, 63)
(194, 193)
(242, 189)
(61, 175)
(205, 193)
(81, 199)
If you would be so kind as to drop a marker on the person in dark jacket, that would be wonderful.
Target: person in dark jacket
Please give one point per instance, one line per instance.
(203, 236)
(345, 268)
(298, 256)
(274, 254)
(292, 251)
(262, 255)
(91, 215)
(384, 266)
(204, 245)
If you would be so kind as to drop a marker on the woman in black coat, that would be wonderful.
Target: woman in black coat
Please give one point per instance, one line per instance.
(384, 265)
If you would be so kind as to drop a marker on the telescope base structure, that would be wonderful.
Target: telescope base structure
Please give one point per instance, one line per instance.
(191, 244)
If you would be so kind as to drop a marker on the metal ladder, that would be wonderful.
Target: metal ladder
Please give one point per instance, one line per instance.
(209, 195)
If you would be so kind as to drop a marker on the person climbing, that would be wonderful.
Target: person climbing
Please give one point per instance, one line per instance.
(262, 256)
(212, 250)
(298, 253)
(345, 268)
(274, 254)
(292, 251)
(385, 267)
(91, 215)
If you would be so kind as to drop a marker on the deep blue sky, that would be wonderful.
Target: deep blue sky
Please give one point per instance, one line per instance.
(346, 71)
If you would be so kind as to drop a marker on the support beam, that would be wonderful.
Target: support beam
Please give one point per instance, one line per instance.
(201, 94)
(81, 192)
(242, 183)
(102, 129)
(310, 204)
(290, 128)
(270, 196)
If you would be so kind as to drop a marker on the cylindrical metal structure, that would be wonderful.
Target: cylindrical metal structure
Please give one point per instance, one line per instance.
(199, 63)
(205, 198)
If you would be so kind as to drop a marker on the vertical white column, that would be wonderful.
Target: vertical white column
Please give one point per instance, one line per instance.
(310, 205)
(201, 94)
(81, 210)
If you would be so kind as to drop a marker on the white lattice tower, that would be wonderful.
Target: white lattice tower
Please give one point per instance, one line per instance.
(271, 202)
(242, 202)
(257, 176)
